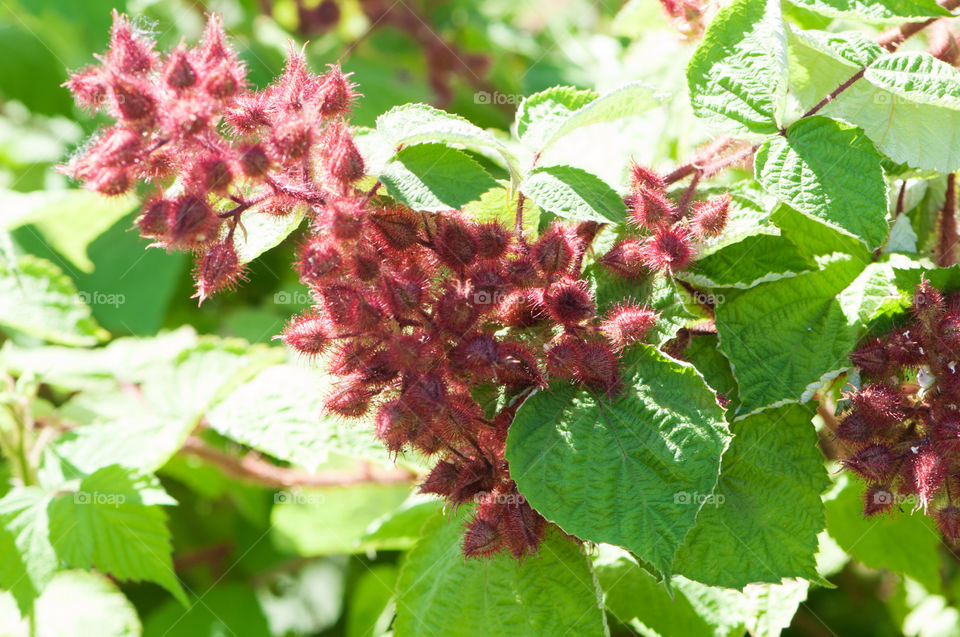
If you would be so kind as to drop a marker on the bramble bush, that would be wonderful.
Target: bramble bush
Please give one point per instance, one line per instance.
(646, 363)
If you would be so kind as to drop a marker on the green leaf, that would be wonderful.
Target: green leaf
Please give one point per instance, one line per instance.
(331, 520)
(434, 177)
(815, 240)
(399, 530)
(280, 412)
(419, 123)
(39, 300)
(25, 540)
(371, 602)
(737, 76)
(577, 456)
(441, 593)
(904, 543)
(630, 99)
(229, 609)
(574, 194)
(830, 171)
(541, 114)
(500, 205)
(903, 102)
(762, 523)
(259, 232)
(875, 10)
(874, 292)
(78, 604)
(69, 220)
(783, 337)
(112, 522)
(704, 353)
(754, 260)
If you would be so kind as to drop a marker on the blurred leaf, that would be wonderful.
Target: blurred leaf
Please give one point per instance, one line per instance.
(229, 608)
(331, 520)
(39, 300)
(25, 540)
(280, 412)
(540, 115)
(903, 542)
(371, 602)
(875, 10)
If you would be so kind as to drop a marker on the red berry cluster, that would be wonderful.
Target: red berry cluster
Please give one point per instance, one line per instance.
(665, 231)
(902, 431)
(187, 123)
(417, 313)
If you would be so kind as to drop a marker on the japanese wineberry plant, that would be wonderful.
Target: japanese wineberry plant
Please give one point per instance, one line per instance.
(663, 352)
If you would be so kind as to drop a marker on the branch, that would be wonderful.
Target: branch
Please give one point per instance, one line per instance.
(946, 254)
(253, 468)
(892, 39)
(835, 92)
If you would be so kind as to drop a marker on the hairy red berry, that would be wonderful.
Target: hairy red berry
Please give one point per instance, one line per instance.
(880, 405)
(628, 323)
(308, 334)
(948, 521)
(642, 177)
(192, 222)
(398, 226)
(874, 463)
(710, 217)
(554, 251)
(871, 358)
(492, 240)
(520, 308)
(482, 539)
(877, 499)
(219, 268)
(626, 258)
(668, 250)
(569, 302)
(455, 244)
(597, 368)
(650, 209)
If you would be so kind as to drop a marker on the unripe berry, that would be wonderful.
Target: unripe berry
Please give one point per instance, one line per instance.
(482, 539)
(554, 251)
(212, 173)
(398, 226)
(650, 209)
(351, 401)
(218, 269)
(220, 82)
(89, 88)
(668, 250)
(179, 73)
(523, 528)
(626, 324)
(334, 93)
(569, 302)
(854, 428)
(519, 308)
(597, 368)
(877, 499)
(626, 258)
(710, 217)
(193, 223)
(478, 352)
(642, 177)
(109, 181)
(871, 358)
(133, 101)
(522, 273)
(904, 348)
(342, 160)
(442, 479)
(456, 244)
(319, 259)
(155, 220)
(291, 139)
(129, 54)
(254, 161)
(492, 240)
(926, 474)
(563, 356)
(393, 426)
(308, 334)
(455, 311)
(880, 405)
(874, 463)
(517, 367)
(403, 293)
(928, 303)
(948, 521)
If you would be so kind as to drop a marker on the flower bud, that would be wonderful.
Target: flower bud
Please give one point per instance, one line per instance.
(307, 334)
(482, 539)
(874, 463)
(871, 358)
(650, 209)
(218, 269)
(396, 225)
(626, 324)
(133, 101)
(877, 499)
(179, 73)
(129, 53)
(569, 302)
(668, 250)
(519, 308)
(192, 223)
(554, 251)
(334, 93)
(492, 240)
(155, 220)
(710, 217)
(455, 245)
(880, 405)
(626, 258)
(254, 161)
(597, 368)
(645, 178)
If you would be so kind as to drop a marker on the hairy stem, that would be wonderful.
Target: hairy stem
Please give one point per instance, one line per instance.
(892, 39)
(946, 254)
(253, 468)
(835, 92)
